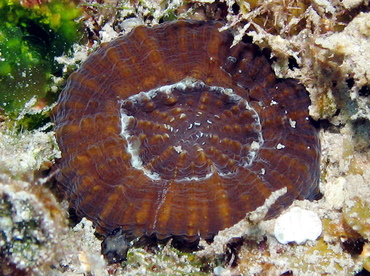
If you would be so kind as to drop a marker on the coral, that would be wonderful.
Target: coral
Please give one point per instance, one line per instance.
(161, 148)
(311, 42)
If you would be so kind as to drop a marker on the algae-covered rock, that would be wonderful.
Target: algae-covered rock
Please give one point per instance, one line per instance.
(357, 215)
(31, 223)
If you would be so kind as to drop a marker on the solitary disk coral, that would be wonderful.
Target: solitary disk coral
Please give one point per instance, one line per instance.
(171, 131)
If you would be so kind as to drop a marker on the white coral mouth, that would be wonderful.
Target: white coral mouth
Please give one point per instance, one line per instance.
(171, 136)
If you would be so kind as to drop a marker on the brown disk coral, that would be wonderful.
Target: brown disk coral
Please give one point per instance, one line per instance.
(171, 131)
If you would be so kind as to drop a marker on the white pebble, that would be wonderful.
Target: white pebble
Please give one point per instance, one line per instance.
(297, 225)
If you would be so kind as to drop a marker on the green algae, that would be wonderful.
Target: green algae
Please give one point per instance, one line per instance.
(30, 38)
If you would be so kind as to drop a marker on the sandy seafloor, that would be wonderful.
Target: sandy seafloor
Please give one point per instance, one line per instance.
(330, 44)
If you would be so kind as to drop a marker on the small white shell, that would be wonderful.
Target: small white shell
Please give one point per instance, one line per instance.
(297, 225)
